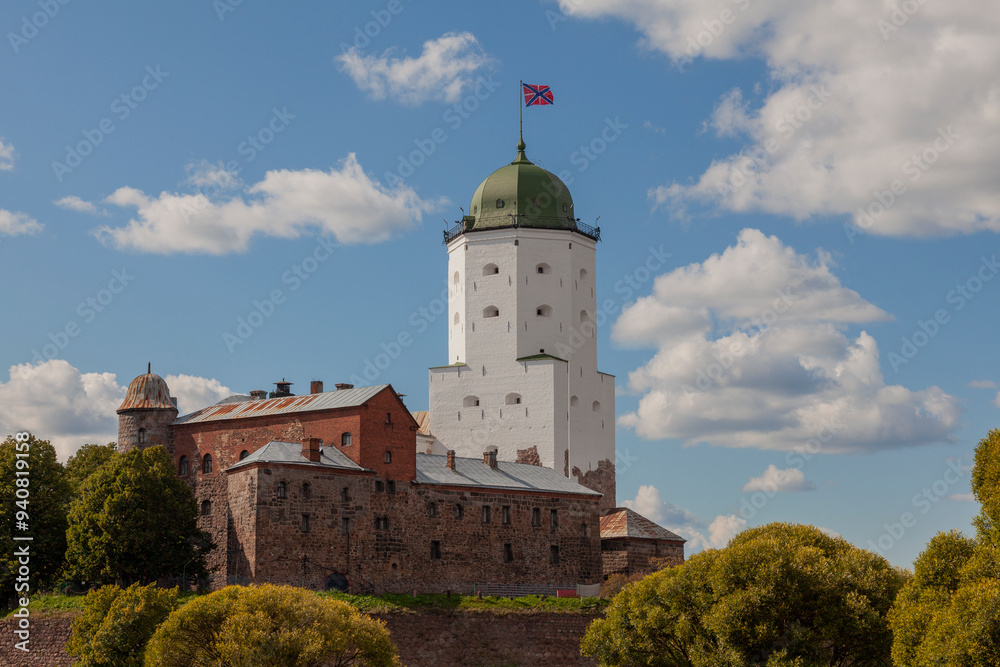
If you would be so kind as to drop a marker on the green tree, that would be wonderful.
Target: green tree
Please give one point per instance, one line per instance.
(948, 615)
(135, 521)
(269, 626)
(40, 502)
(781, 595)
(86, 461)
(116, 624)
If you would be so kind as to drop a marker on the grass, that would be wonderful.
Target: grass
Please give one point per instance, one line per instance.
(54, 604)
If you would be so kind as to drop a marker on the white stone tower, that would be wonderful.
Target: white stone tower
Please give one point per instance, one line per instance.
(522, 373)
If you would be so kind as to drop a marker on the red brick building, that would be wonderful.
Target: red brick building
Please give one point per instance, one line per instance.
(632, 544)
(327, 490)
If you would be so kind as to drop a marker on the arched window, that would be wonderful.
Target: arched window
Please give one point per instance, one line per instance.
(457, 319)
(456, 277)
(206, 507)
(470, 402)
(491, 311)
(512, 399)
(182, 467)
(583, 274)
(282, 489)
(244, 454)
(306, 490)
(206, 464)
(491, 270)
(345, 439)
(543, 311)
(584, 316)
(142, 435)
(388, 456)
(543, 268)
(574, 401)
(596, 406)
(499, 203)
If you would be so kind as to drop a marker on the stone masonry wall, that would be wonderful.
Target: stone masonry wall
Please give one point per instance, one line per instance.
(467, 639)
(639, 556)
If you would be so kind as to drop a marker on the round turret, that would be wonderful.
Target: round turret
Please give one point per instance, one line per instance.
(145, 416)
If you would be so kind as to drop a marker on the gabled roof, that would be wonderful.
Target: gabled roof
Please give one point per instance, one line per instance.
(433, 469)
(423, 419)
(344, 398)
(278, 451)
(623, 523)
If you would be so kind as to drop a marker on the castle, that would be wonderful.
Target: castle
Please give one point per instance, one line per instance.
(506, 484)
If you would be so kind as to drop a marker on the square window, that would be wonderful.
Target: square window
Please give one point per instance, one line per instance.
(508, 553)
(554, 555)
(436, 550)
(379, 486)
(554, 519)
(390, 486)
(536, 516)
(505, 515)
(459, 511)
(486, 513)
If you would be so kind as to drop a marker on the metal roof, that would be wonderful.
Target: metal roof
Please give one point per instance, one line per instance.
(622, 523)
(147, 391)
(343, 398)
(278, 451)
(433, 469)
(423, 419)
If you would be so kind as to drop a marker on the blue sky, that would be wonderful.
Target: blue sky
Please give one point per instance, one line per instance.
(813, 188)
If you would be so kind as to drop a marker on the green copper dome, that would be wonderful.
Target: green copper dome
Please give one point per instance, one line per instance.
(521, 194)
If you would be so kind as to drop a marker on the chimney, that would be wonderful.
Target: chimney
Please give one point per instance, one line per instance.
(343, 385)
(451, 459)
(310, 449)
(258, 394)
(316, 387)
(490, 457)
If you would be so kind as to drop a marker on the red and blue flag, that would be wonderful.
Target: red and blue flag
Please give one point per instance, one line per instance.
(534, 95)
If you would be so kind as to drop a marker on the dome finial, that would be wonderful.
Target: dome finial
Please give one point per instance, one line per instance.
(521, 157)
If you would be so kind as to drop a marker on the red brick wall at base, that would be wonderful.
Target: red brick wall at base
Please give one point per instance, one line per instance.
(424, 640)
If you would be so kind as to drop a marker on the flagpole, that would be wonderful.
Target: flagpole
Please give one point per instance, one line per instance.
(520, 107)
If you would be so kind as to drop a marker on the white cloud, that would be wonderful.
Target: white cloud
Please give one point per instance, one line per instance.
(74, 203)
(751, 352)
(776, 480)
(344, 203)
(6, 156)
(56, 402)
(996, 401)
(829, 532)
(962, 497)
(983, 384)
(194, 393)
(849, 102)
(443, 71)
(699, 535)
(15, 224)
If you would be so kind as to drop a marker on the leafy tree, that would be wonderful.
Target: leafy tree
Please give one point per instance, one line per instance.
(41, 505)
(117, 623)
(135, 521)
(270, 626)
(948, 615)
(781, 595)
(86, 461)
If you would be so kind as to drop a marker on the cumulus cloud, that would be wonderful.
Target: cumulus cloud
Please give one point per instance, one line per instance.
(983, 384)
(752, 352)
(776, 480)
(699, 534)
(443, 71)
(859, 95)
(57, 402)
(74, 203)
(6, 156)
(343, 202)
(16, 224)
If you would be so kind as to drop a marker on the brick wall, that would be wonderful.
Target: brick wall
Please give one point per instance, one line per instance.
(467, 639)
(639, 556)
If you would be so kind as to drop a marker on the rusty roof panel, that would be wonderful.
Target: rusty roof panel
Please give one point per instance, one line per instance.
(344, 398)
(622, 523)
(147, 392)
(423, 419)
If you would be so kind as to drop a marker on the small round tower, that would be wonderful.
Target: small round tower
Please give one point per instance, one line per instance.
(145, 416)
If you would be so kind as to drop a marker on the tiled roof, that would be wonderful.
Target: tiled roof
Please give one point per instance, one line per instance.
(277, 451)
(423, 418)
(344, 398)
(432, 469)
(622, 522)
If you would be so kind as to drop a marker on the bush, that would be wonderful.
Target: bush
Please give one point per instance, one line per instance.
(116, 624)
(270, 626)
